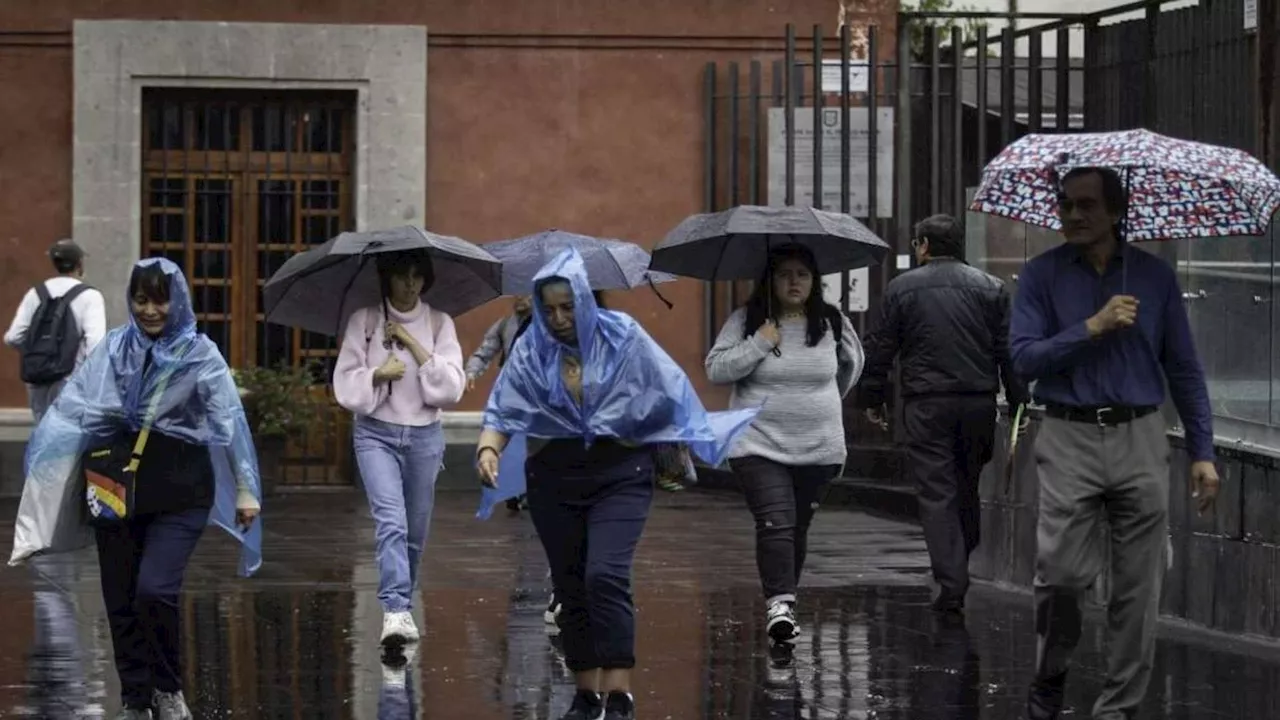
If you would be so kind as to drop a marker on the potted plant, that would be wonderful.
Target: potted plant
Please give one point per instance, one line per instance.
(280, 405)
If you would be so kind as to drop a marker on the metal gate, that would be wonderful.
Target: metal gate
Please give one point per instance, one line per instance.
(234, 183)
(833, 124)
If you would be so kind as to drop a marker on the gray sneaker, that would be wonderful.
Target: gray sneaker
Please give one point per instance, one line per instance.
(133, 714)
(171, 706)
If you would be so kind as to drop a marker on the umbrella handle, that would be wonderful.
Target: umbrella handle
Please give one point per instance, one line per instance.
(654, 288)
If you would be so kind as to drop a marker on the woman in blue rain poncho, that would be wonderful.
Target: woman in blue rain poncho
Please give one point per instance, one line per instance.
(587, 394)
(197, 468)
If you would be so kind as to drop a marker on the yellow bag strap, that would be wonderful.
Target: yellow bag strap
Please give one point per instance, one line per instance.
(153, 407)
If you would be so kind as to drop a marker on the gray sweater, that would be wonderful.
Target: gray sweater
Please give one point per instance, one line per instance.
(802, 422)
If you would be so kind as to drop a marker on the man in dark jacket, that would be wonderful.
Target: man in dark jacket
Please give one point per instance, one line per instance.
(948, 326)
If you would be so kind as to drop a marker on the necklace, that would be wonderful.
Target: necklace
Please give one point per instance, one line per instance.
(791, 315)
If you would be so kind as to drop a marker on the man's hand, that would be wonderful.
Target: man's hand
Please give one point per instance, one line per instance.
(1204, 484)
(879, 416)
(1121, 311)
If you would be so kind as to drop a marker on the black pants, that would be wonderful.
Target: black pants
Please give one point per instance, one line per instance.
(783, 499)
(142, 563)
(949, 440)
(589, 508)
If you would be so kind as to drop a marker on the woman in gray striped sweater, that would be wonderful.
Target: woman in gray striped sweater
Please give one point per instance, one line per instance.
(791, 351)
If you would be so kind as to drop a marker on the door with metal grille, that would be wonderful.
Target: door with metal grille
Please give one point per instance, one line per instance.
(235, 182)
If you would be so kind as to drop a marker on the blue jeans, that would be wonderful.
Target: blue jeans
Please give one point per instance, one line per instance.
(399, 464)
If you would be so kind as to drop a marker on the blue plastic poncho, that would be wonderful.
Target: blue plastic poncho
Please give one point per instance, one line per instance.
(108, 395)
(631, 389)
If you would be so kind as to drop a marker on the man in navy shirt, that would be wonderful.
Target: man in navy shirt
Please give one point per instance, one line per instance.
(1101, 327)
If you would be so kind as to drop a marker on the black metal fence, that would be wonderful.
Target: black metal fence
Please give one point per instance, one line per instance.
(834, 124)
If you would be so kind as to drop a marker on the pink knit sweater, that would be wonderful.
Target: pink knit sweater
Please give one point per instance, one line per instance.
(415, 399)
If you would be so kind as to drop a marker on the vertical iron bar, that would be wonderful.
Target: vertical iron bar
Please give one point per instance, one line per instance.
(818, 127)
(1008, 104)
(846, 49)
(733, 134)
(753, 137)
(709, 194)
(734, 161)
(1062, 81)
(935, 119)
(873, 127)
(957, 123)
(1035, 82)
(1149, 75)
(902, 144)
(788, 115)
(983, 48)
(1091, 75)
(873, 152)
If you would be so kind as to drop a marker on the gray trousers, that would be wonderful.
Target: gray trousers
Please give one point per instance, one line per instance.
(1091, 476)
(42, 397)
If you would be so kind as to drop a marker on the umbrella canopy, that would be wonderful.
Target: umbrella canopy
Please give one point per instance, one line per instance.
(319, 289)
(611, 264)
(1177, 188)
(734, 244)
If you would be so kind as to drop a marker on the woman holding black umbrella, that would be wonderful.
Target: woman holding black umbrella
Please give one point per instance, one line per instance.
(400, 363)
(798, 356)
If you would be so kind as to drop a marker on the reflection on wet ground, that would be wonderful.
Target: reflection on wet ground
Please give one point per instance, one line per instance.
(300, 640)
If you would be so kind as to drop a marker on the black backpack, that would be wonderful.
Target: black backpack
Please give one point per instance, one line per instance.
(53, 339)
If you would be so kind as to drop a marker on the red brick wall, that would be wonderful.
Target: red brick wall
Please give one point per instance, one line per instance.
(599, 133)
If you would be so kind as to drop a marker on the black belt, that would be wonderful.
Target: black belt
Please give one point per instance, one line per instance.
(1102, 416)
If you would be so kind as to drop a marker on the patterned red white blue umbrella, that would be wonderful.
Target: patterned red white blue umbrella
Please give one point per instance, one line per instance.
(1177, 188)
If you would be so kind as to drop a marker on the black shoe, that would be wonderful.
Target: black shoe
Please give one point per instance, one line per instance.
(1045, 700)
(620, 706)
(587, 705)
(513, 504)
(945, 602)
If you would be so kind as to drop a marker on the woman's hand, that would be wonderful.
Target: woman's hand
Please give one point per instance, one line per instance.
(768, 331)
(396, 331)
(245, 518)
(391, 370)
(487, 464)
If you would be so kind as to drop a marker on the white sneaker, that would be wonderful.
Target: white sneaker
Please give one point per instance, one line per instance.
(398, 628)
(395, 667)
(780, 622)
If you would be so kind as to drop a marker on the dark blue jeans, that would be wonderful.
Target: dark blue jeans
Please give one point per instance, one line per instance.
(142, 563)
(589, 508)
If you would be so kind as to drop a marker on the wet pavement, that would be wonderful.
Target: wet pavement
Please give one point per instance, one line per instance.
(299, 641)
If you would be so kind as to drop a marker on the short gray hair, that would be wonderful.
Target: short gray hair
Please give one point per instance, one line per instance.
(944, 233)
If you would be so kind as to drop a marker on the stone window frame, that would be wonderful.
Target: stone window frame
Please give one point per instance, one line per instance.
(115, 59)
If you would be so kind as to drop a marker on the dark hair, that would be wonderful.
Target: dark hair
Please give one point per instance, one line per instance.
(65, 266)
(399, 264)
(819, 315)
(944, 233)
(1114, 194)
(150, 282)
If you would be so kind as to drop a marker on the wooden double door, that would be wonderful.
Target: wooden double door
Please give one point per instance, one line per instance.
(234, 183)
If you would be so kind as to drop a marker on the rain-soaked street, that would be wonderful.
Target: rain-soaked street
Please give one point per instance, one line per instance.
(300, 640)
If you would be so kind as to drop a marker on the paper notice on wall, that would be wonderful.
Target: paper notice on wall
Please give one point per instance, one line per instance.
(859, 293)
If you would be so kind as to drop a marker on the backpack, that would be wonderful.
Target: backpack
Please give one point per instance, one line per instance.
(53, 339)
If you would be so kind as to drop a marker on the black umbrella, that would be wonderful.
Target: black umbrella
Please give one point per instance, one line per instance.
(734, 244)
(319, 289)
